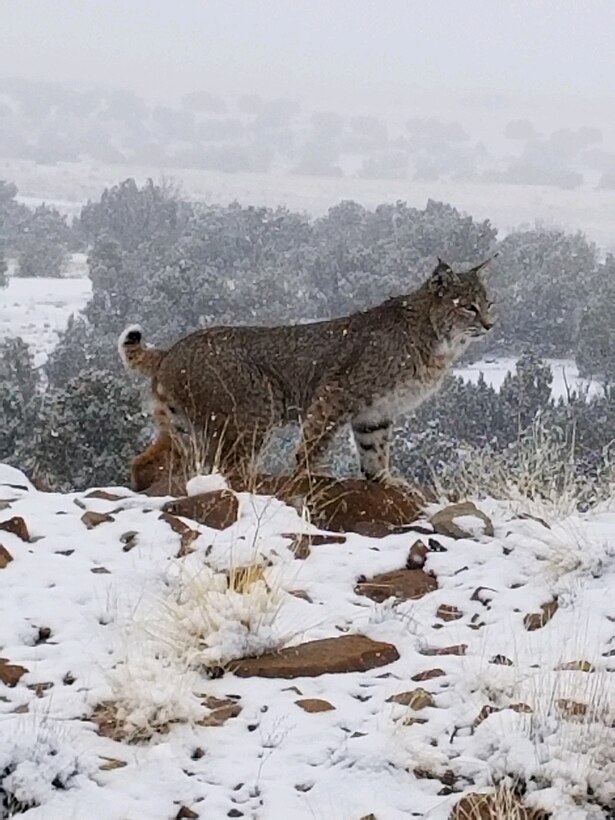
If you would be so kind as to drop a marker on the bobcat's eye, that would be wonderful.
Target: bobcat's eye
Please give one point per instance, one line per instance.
(472, 309)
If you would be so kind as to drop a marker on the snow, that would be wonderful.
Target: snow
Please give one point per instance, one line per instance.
(206, 484)
(135, 625)
(565, 375)
(38, 310)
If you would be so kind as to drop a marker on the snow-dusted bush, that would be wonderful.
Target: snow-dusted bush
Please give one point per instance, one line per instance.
(36, 760)
(212, 618)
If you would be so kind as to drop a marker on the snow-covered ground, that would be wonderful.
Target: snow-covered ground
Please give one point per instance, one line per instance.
(38, 309)
(110, 615)
(69, 185)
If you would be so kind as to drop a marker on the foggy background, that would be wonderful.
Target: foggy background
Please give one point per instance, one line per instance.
(502, 109)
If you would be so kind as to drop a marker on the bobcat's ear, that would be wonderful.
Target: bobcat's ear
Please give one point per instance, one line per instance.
(477, 268)
(442, 278)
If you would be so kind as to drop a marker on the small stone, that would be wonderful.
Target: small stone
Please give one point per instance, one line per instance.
(520, 708)
(185, 813)
(428, 675)
(571, 709)
(536, 620)
(416, 699)
(576, 666)
(484, 713)
(300, 593)
(457, 649)
(129, 539)
(44, 633)
(103, 495)
(403, 584)
(11, 673)
(39, 689)
(443, 521)
(100, 571)
(314, 705)
(234, 813)
(417, 555)
(5, 557)
(17, 526)
(446, 612)
(501, 660)
(220, 715)
(93, 519)
(111, 763)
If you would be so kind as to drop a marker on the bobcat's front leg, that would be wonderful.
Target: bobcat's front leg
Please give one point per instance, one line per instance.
(373, 441)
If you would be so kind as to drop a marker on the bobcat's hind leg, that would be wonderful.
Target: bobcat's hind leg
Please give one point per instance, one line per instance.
(373, 441)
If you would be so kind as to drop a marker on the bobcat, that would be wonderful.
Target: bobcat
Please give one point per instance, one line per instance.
(232, 385)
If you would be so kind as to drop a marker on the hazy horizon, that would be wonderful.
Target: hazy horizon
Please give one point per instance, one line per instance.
(359, 54)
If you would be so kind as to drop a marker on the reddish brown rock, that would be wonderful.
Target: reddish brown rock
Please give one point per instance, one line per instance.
(416, 699)
(429, 674)
(342, 505)
(162, 468)
(571, 709)
(576, 666)
(404, 584)
(5, 557)
(218, 509)
(444, 522)
(446, 612)
(314, 705)
(17, 526)
(417, 555)
(458, 649)
(103, 495)
(186, 813)
(93, 519)
(536, 620)
(221, 711)
(303, 542)
(348, 653)
(11, 673)
(188, 535)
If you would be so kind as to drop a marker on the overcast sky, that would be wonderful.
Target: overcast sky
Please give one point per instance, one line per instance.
(337, 52)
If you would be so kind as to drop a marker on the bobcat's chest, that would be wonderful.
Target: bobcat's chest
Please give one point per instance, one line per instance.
(402, 399)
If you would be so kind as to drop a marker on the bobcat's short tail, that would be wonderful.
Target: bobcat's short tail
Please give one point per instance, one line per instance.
(135, 354)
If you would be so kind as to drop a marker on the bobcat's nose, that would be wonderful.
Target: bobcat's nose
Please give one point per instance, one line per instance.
(487, 324)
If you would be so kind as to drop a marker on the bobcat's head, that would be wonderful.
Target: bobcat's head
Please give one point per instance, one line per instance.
(460, 309)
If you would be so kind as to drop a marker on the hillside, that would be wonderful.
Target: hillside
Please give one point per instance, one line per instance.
(124, 692)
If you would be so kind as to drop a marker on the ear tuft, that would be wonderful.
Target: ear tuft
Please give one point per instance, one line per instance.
(442, 278)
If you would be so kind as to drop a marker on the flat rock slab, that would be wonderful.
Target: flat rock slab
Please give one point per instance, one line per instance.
(403, 584)
(444, 522)
(348, 653)
(218, 509)
(343, 505)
